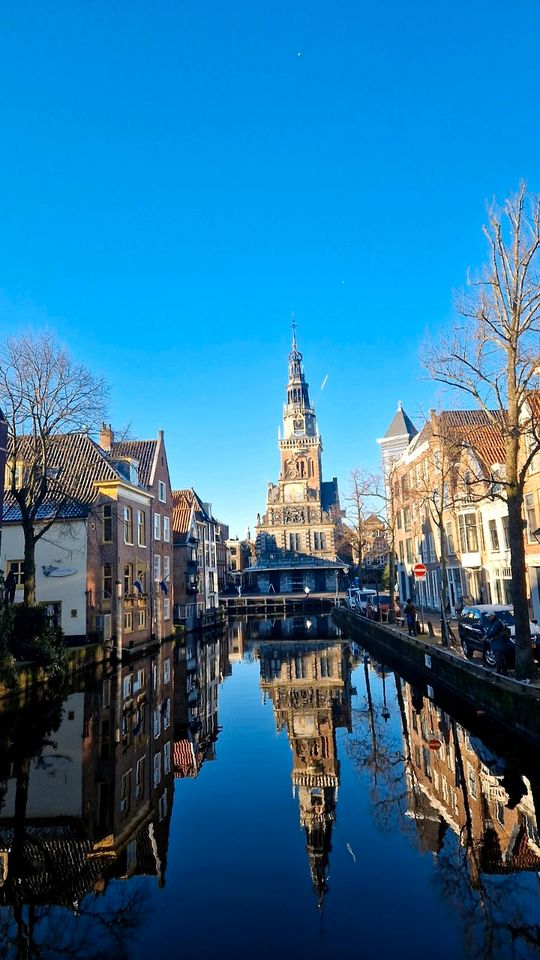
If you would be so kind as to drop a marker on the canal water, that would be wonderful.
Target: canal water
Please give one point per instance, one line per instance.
(272, 791)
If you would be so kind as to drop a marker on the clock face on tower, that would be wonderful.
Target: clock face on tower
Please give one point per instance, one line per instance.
(298, 425)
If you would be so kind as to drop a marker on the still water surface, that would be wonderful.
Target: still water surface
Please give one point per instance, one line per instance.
(271, 792)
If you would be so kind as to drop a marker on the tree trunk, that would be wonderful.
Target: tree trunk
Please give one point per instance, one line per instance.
(443, 585)
(29, 564)
(524, 654)
(391, 584)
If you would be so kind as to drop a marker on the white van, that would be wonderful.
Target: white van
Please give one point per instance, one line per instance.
(357, 598)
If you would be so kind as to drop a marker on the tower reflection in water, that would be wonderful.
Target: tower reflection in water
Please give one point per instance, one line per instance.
(86, 782)
(309, 686)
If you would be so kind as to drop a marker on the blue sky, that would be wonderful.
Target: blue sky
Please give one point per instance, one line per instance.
(178, 177)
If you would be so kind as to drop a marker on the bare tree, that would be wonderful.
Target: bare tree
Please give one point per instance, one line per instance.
(44, 394)
(360, 489)
(491, 355)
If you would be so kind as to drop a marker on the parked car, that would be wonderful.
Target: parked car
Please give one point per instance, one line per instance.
(382, 606)
(473, 625)
(357, 598)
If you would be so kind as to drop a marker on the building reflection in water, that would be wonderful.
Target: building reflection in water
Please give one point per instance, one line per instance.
(86, 787)
(454, 780)
(202, 665)
(86, 781)
(309, 685)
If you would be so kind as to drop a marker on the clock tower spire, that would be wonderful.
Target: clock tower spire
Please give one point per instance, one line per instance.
(303, 515)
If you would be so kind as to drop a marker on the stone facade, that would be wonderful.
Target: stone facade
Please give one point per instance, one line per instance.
(303, 514)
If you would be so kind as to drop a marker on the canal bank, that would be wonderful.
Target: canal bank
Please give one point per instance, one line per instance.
(506, 701)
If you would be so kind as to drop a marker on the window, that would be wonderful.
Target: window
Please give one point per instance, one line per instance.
(166, 670)
(319, 540)
(141, 582)
(530, 511)
(128, 525)
(156, 724)
(162, 806)
(167, 757)
(157, 526)
(141, 528)
(166, 567)
(128, 622)
(468, 534)
(139, 788)
(106, 581)
(162, 494)
(126, 686)
(157, 769)
(128, 578)
(409, 552)
(16, 567)
(450, 547)
(294, 541)
(166, 608)
(157, 567)
(494, 536)
(138, 683)
(125, 795)
(166, 529)
(107, 521)
(506, 533)
(471, 777)
(166, 709)
(141, 619)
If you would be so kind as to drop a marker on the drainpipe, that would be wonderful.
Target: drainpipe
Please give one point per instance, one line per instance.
(119, 620)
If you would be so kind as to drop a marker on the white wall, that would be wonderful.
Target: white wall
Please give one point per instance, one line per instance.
(64, 545)
(55, 783)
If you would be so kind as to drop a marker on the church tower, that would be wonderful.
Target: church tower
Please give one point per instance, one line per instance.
(303, 514)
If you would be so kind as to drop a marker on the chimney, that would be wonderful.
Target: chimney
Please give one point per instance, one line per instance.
(106, 437)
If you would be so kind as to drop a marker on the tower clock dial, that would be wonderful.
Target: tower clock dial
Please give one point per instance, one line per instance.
(298, 425)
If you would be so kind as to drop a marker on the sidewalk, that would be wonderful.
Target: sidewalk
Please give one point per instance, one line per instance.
(433, 635)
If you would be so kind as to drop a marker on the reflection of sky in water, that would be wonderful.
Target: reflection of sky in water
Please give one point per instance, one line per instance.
(237, 878)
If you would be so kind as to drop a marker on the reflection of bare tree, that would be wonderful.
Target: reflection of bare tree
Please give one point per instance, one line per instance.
(375, 750)
(98, 927)
(493, 917)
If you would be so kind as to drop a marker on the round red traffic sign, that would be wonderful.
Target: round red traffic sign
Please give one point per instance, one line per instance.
(419, 570)
(434, 744)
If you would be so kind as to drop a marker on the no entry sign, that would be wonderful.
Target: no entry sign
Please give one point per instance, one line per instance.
(419, 571)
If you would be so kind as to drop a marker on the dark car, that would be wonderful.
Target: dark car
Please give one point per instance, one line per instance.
(474, 624)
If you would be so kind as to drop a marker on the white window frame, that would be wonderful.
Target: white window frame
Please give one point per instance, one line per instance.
(166, 529)
(157, 526)
(162, 492)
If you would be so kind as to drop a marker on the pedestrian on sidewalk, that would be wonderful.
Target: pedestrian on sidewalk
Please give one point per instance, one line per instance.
(498, 636)
(409, 611)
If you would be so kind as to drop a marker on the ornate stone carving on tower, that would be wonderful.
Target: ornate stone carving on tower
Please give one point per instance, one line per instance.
(303, 514)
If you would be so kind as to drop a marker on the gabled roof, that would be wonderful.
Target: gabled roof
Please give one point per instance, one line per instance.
(401, 426)
(80, 463)
(182, 511)
(144, 451)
